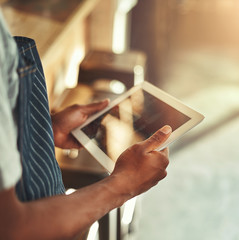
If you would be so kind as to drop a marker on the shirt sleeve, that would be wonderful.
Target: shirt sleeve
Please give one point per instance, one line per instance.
(10, 164)
(10, 167)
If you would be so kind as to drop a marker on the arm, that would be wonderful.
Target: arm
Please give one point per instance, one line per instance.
(62, 217)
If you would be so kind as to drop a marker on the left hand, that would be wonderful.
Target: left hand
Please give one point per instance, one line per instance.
(68, 119)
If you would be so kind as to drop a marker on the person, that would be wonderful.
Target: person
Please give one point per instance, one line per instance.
(32, 200)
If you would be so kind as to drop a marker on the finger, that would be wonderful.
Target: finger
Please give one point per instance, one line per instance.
(157, 139)
(75, 142)
(165, 151)
(95, 107)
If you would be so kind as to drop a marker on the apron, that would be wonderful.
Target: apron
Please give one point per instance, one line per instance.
(41, 173)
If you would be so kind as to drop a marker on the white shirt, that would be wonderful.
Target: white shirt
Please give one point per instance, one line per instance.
(10, 164)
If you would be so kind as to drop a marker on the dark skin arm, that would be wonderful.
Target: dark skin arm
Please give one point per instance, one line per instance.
(62, 217)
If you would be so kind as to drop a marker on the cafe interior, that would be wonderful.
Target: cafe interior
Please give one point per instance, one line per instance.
(93, 49)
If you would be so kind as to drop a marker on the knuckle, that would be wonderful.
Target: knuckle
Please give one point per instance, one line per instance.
(161, 160)
(164, 175)
(75, 106)
(157, 137)
(165, 161)
(135, 148)
(130, 152)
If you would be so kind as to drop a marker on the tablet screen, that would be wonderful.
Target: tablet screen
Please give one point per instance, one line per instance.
(132, 120)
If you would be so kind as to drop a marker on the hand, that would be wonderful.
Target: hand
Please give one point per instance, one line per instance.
(140, 167)
(68, 119)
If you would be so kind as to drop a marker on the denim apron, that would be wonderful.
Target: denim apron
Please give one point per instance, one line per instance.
(41, 173)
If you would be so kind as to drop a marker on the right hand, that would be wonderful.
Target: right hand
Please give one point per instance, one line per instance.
(140, 167)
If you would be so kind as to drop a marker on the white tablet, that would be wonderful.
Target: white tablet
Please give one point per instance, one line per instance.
(133, 117)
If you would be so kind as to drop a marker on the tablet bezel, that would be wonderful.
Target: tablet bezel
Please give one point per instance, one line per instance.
(108, 163)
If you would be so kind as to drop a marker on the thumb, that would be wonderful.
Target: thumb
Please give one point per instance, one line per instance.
(95, 107)
(157, 139)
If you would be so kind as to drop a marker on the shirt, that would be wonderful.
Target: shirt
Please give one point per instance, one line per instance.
(10, 165)
(28, 160)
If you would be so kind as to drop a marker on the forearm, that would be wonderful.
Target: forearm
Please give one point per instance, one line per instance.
(63, 217)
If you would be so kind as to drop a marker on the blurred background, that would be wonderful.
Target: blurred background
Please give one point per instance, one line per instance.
(193, 54)
(190, 49)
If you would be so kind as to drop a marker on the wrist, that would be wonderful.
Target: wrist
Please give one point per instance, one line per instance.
(118, 188)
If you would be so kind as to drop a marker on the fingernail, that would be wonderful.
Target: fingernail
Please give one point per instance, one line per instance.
(166, 129)
(106, 100)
